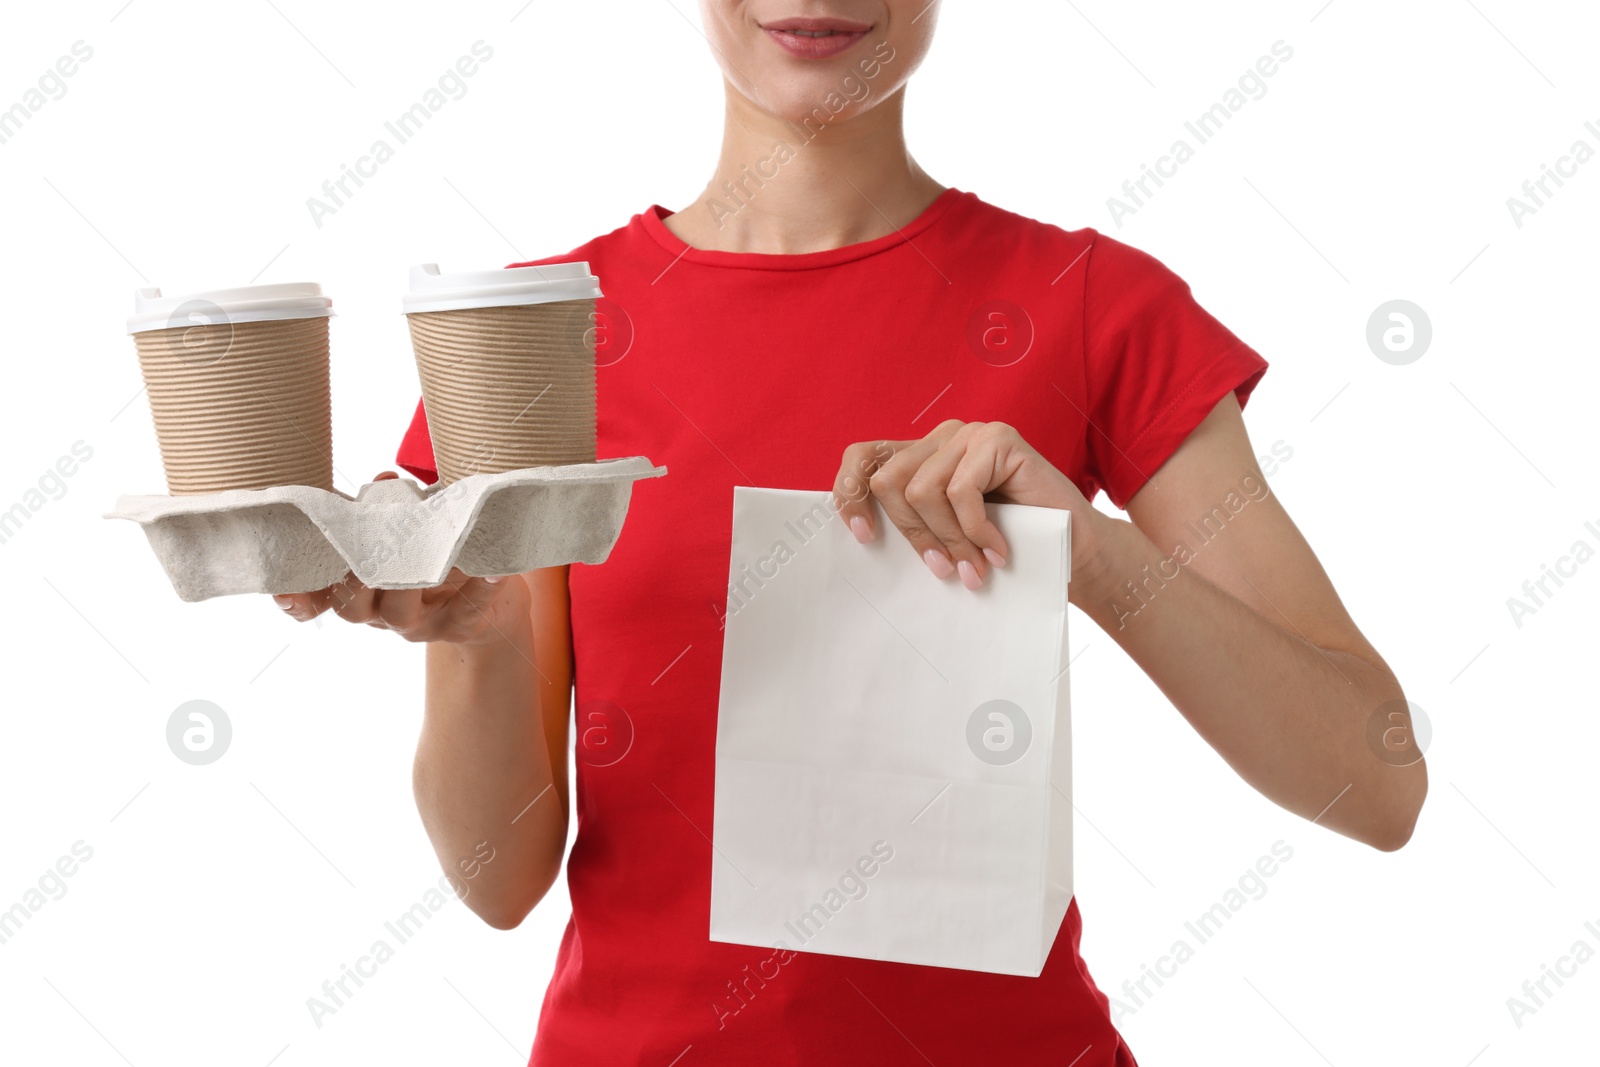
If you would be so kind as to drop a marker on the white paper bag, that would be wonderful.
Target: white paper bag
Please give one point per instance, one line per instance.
(894, 758)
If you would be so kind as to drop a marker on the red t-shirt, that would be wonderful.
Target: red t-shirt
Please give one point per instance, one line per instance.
(757, 369)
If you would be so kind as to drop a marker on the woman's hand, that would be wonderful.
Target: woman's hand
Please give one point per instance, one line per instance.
(933, 490)
(462, 610)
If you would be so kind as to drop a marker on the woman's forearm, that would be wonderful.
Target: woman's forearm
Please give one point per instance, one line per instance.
(1290, 717)
(483, 777)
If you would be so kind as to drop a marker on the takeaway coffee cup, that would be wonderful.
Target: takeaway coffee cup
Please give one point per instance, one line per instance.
(238, 386)
(507, 363)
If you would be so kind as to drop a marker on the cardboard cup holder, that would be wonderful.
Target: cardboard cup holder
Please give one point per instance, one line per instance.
(393, 534)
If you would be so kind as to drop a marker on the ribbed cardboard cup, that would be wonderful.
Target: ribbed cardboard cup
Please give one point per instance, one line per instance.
(511, 385)
(240, 405)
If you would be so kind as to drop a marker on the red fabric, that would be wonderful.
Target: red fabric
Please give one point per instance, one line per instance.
(755, 369)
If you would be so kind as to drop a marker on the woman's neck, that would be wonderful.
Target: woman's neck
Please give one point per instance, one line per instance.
(787, 188)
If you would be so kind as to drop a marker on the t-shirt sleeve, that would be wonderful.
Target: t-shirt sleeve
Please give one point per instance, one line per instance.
(415, 454)
(1156, 363)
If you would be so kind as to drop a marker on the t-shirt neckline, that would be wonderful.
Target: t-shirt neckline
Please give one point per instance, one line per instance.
(652, 219)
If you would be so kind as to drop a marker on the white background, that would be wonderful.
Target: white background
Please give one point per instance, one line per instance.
(1378, 165)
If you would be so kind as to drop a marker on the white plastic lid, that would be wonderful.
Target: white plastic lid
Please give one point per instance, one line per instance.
(250, 303)
(507, 287)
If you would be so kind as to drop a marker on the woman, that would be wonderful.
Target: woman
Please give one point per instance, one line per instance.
(824, 290)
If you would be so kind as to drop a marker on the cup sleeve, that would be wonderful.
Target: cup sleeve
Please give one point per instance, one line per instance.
(415, 454)
(1155, 364)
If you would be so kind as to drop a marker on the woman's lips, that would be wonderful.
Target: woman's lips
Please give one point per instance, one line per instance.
(838, 38)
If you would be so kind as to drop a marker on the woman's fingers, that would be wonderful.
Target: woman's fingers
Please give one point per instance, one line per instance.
(460, 608)
(302, 607)
(889, 485)
(353, 600)
(933, 491)
(976, 471)
(483, 609)
(923, 506)
(947, 493)
(293, 605)
(852, 489)
(852, 486)
(398, 609)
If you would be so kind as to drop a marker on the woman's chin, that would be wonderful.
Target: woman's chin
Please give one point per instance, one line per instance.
(804, 108)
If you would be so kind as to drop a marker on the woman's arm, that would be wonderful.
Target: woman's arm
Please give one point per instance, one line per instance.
(490, 774)
(1249, 640)
(491, 762)
(1242, 631)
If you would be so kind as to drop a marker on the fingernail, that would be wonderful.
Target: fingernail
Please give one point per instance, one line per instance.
(994, 557)
(859, 527)
(284, 602)
(938, 564)
(969, 575)
(494, 579)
